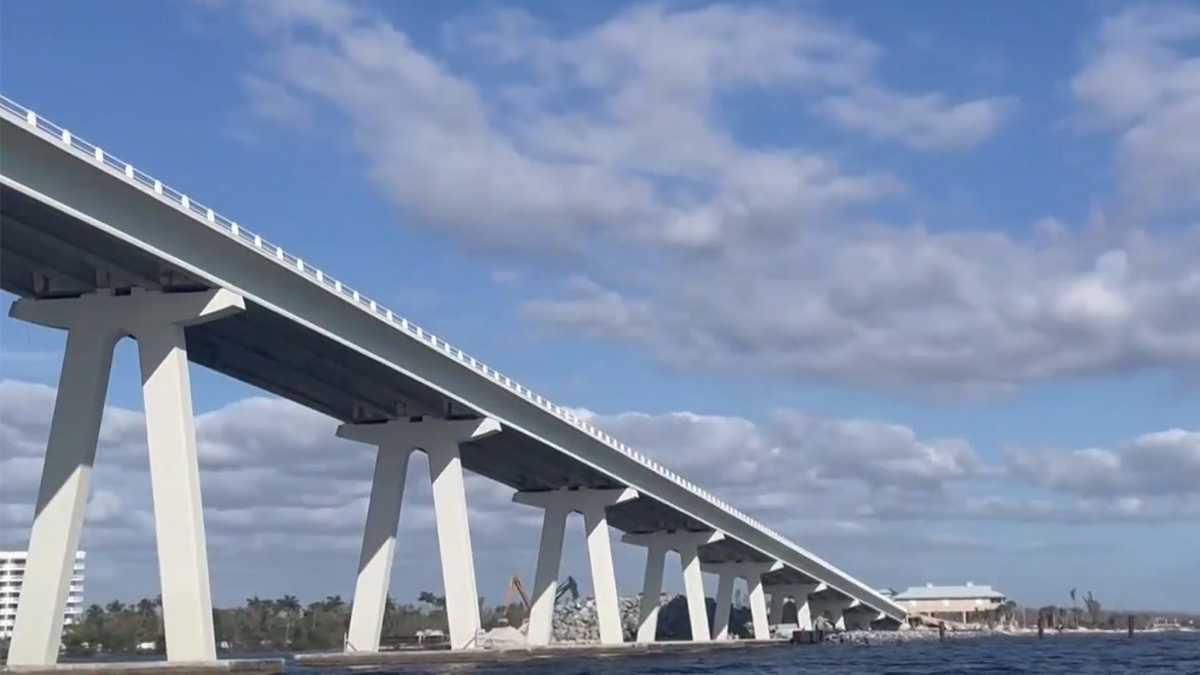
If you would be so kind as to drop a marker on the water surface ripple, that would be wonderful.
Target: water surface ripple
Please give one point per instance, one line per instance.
(1161, 653)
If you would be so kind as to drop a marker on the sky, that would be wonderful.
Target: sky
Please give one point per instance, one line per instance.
(916, 285)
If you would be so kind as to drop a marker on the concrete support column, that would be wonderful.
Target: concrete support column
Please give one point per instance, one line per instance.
(687, 544)
(396, 439)
(604, 579)
(778, 598)
(592, 504)
(62, 496)
(693, 584)
(859, 619)
(758, 608)
(835, 609)
(752, 572)
(175, 483)
(378, 549)
(800, 594)
(454, 544)
(545, 580)
(94, 323)
(651, 591)
(724, 606)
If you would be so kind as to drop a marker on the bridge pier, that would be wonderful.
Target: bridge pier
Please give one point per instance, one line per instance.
(835, 610)
(799, 593)
(778, 599)
(861, 619)
(396, 440)
(687, 544)
(94, 324)
(752, 572)
(558, 504)
(725, 581)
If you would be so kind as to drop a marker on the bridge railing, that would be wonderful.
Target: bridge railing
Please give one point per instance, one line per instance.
(180, 200)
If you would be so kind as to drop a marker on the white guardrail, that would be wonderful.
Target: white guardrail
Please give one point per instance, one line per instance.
(231, 228)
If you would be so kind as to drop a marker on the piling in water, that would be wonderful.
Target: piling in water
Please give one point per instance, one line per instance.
(1041, 627)
(1130, 625)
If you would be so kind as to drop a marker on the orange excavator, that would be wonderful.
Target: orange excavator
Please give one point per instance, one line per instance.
(514, 589)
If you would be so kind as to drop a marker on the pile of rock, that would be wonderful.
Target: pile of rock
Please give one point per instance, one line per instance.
(575, 621)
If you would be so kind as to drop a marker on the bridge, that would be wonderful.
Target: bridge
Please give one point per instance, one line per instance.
(98, 248)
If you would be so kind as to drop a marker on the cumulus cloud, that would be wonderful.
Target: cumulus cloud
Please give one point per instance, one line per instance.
(882, 305)
(807, 474)
(1143, 81)
(609, 140)
(280, 490)
(1154, 464)
(925, 121)
(609, 132)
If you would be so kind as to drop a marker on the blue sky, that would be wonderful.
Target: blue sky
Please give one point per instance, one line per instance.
(929, 271)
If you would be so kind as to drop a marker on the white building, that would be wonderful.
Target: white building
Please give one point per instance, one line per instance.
(12, 574)
(957, 603)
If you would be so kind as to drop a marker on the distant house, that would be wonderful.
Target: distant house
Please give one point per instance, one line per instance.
(956, 603)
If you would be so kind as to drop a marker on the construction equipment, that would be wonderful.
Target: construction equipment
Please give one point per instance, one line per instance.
(564, 587)
(514, 588)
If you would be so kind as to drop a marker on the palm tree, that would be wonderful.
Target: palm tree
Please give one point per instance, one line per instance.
(288, 603)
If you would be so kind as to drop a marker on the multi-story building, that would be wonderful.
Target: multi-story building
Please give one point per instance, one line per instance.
(12, 574)
(957, 603)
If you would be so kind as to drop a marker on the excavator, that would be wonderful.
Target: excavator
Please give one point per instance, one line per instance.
(515, 588)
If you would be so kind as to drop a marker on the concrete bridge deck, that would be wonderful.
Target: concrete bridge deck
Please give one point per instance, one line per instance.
(76, 221)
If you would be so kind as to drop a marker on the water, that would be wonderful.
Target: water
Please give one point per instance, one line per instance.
(1157, 653)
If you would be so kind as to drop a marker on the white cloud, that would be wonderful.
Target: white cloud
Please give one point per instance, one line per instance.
(927, 121)
(281, 493)
(1153, 465)
(889, 306)
(713, 252)
(1143, 81)
(612, 133)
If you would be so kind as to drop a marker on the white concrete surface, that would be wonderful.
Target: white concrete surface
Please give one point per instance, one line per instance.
(656, 555)
(62, 190)
(687, 544)
(545, 581)
(752, 572)
(439, 440)
(778, 598)
(94, 323)
(592, 504)
(724, 605)
(799, 594)
(378, 549)
(62, 496)
(175, 483)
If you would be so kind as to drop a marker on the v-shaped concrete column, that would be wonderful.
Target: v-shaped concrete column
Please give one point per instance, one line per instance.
(396, 440)
(861, 618)
(592, 503)
(778, 598)
(94, 323)
(725, 581)
(687, 544)
(799, 594)
(752, 572)
(834, 609)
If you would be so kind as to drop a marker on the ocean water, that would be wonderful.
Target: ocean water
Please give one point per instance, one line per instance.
(1150, 653)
